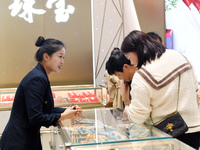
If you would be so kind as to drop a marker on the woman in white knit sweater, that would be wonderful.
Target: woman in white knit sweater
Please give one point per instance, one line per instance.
(155, 82)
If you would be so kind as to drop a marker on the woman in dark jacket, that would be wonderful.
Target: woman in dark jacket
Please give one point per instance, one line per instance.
(33, 105)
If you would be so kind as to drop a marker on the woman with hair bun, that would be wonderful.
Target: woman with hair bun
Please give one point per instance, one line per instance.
(33, 104)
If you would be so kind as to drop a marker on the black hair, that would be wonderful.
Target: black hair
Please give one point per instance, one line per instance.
(116, 62)
(48, 46)
(147, 49)
(115, 50)
(155, 36)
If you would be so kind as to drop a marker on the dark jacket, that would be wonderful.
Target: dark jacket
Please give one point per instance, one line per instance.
(33, 107)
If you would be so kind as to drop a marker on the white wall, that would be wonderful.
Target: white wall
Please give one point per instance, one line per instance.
(185, 23)
(112, 21)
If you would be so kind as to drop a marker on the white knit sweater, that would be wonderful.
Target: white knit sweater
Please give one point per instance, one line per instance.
(154, 91)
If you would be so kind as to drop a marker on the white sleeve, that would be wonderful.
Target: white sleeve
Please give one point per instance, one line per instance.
(140, 108)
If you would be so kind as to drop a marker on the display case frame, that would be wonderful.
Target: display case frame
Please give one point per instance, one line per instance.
(161, 144)
(104, 126)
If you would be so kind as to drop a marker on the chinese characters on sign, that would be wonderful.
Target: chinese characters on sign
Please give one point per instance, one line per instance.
(61, 14)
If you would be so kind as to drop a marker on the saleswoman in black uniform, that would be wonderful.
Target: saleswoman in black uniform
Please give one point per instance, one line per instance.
(33, 105)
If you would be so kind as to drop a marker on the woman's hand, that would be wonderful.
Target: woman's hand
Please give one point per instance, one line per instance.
(79, 111)
(69, 113)
(126, 111)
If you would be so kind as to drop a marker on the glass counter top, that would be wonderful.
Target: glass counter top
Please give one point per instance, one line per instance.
(103, 126)
(161, 144)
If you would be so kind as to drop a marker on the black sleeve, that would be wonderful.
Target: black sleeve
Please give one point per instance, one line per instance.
(34, 93)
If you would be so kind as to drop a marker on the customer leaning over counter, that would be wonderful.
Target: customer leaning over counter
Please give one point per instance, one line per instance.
(155, 87)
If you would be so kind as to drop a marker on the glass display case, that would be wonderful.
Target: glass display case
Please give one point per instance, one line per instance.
(84, 96)
(107, 127)
(6, 98)
(64, 96)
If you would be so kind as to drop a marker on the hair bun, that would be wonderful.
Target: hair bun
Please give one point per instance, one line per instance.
(40, 41)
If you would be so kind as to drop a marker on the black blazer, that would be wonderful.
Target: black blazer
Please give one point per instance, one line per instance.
(32, 108)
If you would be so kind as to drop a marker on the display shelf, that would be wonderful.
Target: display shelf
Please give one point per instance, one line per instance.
(6, 98)
(103, 126)
(85, 96)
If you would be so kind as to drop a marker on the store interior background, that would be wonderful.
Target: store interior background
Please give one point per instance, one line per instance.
(184, 19)
(18, 36)
(90, 34)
